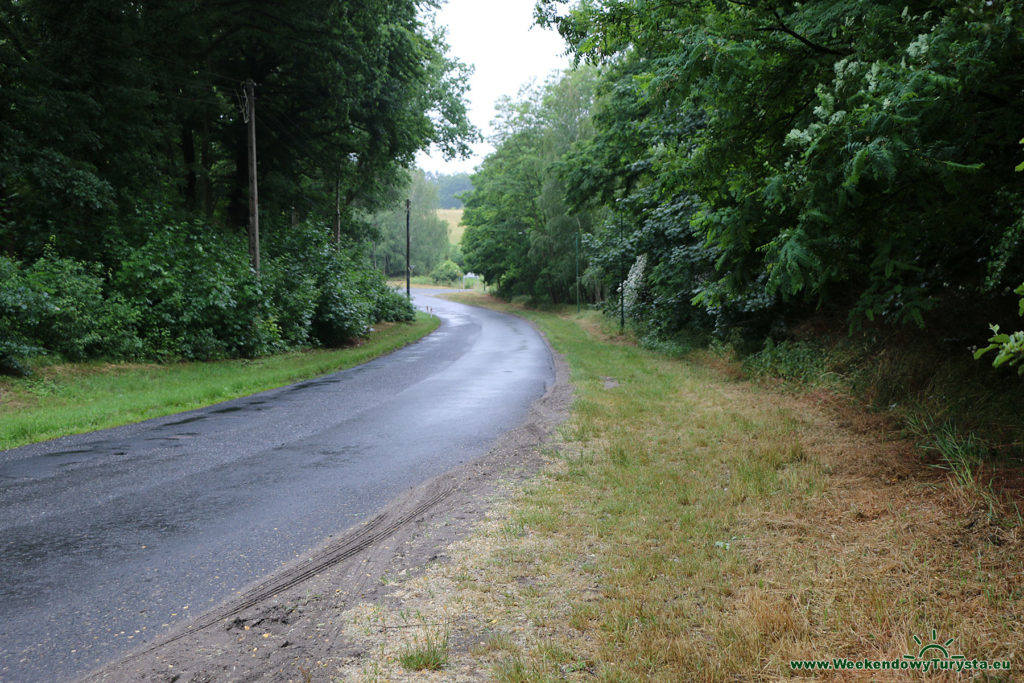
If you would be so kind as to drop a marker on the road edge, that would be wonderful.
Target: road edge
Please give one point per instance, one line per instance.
(293, 606)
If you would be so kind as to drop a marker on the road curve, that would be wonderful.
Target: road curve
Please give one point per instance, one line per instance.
(109, 538)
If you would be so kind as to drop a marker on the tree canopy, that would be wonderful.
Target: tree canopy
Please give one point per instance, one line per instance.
(758, 160)
(520, 235)
(109, 106)
(450, 188)
(124, 168)
(428, 233)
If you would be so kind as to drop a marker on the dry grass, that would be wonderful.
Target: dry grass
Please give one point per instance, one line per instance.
(690, 526)
(453, 217)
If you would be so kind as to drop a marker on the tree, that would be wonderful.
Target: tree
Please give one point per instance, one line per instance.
(113, 107)
(124, 163)
(833, 153)
(520, 234)
(450, 188)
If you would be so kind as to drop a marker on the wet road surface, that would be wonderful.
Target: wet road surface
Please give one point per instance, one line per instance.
(108, 538)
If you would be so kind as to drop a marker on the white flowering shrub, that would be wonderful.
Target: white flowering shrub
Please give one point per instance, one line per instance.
(633, 286)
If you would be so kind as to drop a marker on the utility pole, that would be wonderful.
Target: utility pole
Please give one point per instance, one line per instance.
(408, 269)
(254, 202)
(622, 286)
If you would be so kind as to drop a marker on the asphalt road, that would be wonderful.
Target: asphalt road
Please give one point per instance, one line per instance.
(109, 538)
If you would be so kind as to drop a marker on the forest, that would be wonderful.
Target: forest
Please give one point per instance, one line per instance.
(733, 169)
(717, 169)
(124, 170)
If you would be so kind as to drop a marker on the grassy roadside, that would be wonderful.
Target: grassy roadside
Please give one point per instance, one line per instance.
(691, 525)
(75, 398)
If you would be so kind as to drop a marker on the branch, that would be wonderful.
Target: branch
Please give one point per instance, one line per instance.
(781, 28)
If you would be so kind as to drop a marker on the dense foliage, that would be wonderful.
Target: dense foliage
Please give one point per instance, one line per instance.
(189, 293)
(749, 163)
(520, 235)
(124, 147)
(446, 273)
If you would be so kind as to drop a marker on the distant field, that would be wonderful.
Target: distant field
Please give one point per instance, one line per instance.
(453, 217)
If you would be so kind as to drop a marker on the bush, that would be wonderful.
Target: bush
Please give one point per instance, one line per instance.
(58, 305)
(447, 272)
(393, 306)
(343, 312)
(21, 309)
(354, 297)
(790, 360)
(83, 320)
(202, 299)
(188, 292)
(1009, 348)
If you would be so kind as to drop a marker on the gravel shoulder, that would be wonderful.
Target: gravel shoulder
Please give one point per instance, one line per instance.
(295, 624)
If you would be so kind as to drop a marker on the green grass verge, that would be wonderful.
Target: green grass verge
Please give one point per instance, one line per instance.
(76, 398)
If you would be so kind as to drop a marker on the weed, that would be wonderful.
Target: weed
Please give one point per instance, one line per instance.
(513, 529)
(515, 669)
(372, 670)
(964, 456)
(427, 650)
(496, 642)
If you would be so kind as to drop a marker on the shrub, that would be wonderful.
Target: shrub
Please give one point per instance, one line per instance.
(59, 305)
(393, 306)
(188, 292)
(21, 309)
(83, 321)
(202, 299)
(293, 294)
(790, 360)
(1009, 348)
(343, 311)
(447, 272)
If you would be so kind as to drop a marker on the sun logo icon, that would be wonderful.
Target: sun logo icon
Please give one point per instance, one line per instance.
(938, 650)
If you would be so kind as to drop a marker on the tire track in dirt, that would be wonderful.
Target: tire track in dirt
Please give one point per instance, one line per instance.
(376, 530)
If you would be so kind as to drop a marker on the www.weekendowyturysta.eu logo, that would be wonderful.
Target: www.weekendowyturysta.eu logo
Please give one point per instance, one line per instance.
(935, 648)
(931, 656)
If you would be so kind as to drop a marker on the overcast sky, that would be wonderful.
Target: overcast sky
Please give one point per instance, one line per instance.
(507, 50)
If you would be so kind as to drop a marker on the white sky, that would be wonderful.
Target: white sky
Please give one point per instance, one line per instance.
(499, 39)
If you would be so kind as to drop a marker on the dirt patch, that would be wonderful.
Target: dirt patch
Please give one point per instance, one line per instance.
(296, 624)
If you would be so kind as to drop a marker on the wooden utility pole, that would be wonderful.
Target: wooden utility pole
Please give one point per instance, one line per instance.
(408, 268)
(254, 202)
